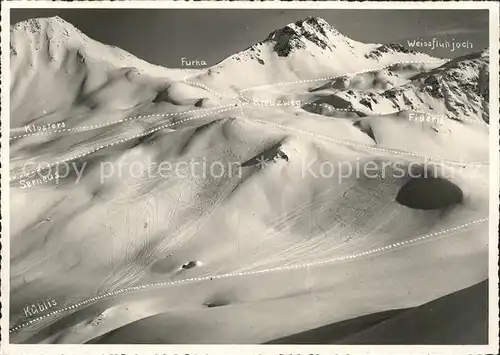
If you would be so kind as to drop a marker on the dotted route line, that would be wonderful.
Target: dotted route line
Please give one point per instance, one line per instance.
(264, 103)
(248, 273)
(241, 104)
(325, 105)
(240, 99)
(88, 128)
(341, 109)
(121, 141)
(391, 113)
(341, 75)
(208, 89)
(365, 146)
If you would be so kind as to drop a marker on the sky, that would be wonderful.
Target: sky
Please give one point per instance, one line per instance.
(164, 36)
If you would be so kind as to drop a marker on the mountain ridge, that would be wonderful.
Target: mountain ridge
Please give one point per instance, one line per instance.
(302, 50)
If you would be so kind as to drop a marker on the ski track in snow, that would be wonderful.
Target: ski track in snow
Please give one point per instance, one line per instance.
(325, 105)
(97, 126)
(345, 74)
(81, 155)
(240, 104)
(365, 146)
(392, 246)
(226, 96)
(242, 101)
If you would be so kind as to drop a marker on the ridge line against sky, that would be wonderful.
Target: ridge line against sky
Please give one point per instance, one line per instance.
(164, 36)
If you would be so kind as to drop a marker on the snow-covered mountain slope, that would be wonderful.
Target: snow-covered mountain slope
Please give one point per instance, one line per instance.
(53, 37)
(304, 50)
(65, 75)
(260, 194)
(456, 90)
(392, 327)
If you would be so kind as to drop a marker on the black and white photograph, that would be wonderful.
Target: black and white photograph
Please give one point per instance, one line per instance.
(238, 175)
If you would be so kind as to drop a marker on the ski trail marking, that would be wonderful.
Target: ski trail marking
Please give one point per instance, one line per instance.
(364, 146)
(208, 89)
(97, 126)
(392, 246)
(120, 141)
(341, 75)
(350, 109)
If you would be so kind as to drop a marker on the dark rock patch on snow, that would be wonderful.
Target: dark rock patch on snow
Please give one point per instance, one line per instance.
(429, 194)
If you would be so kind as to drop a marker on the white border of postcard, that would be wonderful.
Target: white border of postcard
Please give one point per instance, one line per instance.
(492, 347)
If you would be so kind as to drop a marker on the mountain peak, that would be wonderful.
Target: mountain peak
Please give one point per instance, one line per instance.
(52, 27)
(316, 22)
(296, 35)
(37, 24)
